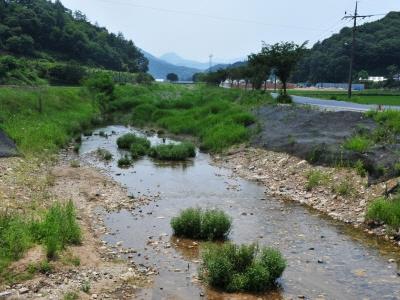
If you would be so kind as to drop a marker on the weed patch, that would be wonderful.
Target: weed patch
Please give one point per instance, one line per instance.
(174, 152)
(386, 211)
(124, 162)
(204, 225)
(358, 144)
(316, 178)
(104, 154)
(245, 268)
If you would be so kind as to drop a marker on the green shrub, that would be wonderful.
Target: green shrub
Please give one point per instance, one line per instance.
(358, 144)
(59, 228)
(104, 154)
(223, 136)
(204, 225)
(316, 178)
(284, 99)
(245, 268)
(128, 140)
(173, 152)
(386, 211)
(360, 168)
(140, 147)
(124, 162)
(344, 188)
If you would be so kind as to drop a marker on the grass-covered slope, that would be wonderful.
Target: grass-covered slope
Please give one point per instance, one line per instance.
(219, 118)
(65, 112)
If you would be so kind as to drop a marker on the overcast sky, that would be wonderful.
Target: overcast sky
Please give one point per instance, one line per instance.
(228, 29)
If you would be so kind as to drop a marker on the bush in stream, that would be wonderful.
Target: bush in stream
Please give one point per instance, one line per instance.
(386, 211)
(104, 154)
(245, 268)
(173, 151)
(139, 148)
(204, 225)
(124, 162)
(127, 140)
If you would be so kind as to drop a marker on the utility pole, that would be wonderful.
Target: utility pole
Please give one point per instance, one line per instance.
(211, 57)
(353, 45)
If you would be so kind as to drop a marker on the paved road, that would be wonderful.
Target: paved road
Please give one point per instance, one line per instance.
(337, 105)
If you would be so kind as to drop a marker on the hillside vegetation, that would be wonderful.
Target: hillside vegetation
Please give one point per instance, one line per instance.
(45, 30)
(377, 48)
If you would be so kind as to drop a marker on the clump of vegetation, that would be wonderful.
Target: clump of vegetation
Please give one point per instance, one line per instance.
(195, 223)
(85, 287)
(128, 140)
(124, 162)
(284, 99)
(71, 296)
(55, 230)
(104, 154)
(58, 229)
(386, 211)
(175, 152)
(242, 268)
(360, 168)
(358, 144)
(344, 188)
(316, 178)
(74, 164)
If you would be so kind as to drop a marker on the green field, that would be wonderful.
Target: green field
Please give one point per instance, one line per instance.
(384, 97)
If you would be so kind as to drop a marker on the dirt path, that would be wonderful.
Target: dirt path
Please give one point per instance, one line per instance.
(100, 272)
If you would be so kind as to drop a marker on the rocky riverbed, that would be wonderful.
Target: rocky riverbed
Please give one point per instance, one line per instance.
(285, 176)
(101, 273)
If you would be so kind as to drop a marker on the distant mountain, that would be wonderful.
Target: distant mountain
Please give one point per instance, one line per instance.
(159, 68)
(175, 59)
(226, 66)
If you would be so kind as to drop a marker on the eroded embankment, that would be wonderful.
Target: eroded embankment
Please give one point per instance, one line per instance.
(343, 194)
(318, 137)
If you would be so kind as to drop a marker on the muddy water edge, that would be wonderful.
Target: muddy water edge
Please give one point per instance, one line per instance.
(326, 259)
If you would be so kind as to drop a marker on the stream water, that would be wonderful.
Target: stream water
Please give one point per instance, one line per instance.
(326, 259)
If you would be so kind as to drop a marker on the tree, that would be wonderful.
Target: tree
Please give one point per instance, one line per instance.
(172, 77)
(363, 75)
(20, 44)
(259, 68)
(102, 87)
(283, 57)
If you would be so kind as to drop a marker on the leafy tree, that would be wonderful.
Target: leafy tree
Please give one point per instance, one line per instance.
(259, 68)
(20, 44)
(172, 77)
(363, 75)
(102, 87)
(144, 78)
(71, 74)
(283, 57)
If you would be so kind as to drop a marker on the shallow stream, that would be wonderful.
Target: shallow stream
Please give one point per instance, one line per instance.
(326, 259)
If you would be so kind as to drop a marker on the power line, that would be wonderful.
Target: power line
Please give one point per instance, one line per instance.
(354, 18)
(167, 10)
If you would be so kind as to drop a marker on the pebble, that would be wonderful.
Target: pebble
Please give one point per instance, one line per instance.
(23, 290)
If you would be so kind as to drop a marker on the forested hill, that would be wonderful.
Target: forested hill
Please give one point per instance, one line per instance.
(378, 47)
(42, 29)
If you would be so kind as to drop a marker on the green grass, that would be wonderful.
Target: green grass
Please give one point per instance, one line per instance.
(316, 178)
(104, 154)
(173, 152)
(66, 112)
(344, 188)
(358, 143)
(245, 268)
(386, 211)
(196, 223)
(219, 118)
(384, 97)
(55, 229)
(124, 162)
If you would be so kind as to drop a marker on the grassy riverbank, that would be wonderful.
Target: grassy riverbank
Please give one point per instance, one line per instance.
(64, 112)
(219, 118)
